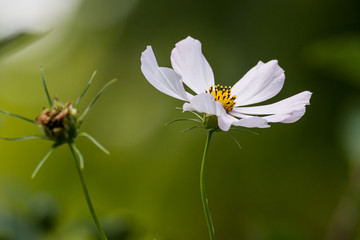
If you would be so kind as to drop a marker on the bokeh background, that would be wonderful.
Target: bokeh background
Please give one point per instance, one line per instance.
(292, 182)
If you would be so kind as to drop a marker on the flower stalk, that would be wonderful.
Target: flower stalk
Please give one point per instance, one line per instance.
(204, 199)
(86, 193)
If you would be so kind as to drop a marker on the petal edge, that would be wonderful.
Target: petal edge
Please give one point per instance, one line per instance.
(189, 62)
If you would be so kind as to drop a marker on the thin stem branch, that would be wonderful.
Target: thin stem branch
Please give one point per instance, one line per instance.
(41, 163)
(87, 196)
(232, 137)
(81, 118)
(45, 87)
(84, 91)
(183, 119)
(91, 138)
(23, 138)
(202, 188)
(180, 108)
(17, 116)
(191, 128)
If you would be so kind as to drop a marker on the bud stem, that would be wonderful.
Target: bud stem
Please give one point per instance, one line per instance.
(87, 195)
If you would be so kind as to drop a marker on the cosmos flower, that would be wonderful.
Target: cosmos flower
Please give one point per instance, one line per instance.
(223, 106)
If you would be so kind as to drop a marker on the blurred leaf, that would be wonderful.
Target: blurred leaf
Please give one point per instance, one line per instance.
(350, 130)
(338, 56)
(16, 42)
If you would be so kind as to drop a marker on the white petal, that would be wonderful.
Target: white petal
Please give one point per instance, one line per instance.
(204, 103)
(252, 122)
(277, 117)
(296, 102)
(165, 80)
(188, 61)
(262, 82)
(226, 120)
(286, 118)
(288, 110)
(238, 114)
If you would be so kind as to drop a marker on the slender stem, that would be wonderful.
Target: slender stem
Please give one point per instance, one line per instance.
(81, 118)
(45, 87)
(23, 138)
(183, 119)
(84, 91)
(234, 139)
(41, 163)
(87, 196)
(191, 128)
(91, 138)
(17, 116)
(202, 188)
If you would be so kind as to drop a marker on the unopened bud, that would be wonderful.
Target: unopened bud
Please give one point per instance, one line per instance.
(59, 122)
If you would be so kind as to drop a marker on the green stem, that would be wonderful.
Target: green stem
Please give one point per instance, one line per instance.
(202, 188)
(87, 196)
(45, 87)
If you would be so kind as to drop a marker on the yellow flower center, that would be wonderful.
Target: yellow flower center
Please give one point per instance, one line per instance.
(223, 95)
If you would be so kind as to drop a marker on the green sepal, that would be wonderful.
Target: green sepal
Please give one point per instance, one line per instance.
(81, 118)
(17, 116)
(191, 128)
(81, 158)
(91, 138)
(45, 87)
(24, 138)
(211, 122)
(196, 114)
(41, 163)
(183, 119)
(202, 119)
(85, 90)
(230, 136)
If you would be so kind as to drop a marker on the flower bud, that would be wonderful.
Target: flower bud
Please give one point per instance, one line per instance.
(59, 122)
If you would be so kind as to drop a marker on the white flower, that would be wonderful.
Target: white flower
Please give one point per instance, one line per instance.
(230, 105)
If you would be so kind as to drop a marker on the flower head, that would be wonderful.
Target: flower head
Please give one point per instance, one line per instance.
(60, 123)
(226, 106)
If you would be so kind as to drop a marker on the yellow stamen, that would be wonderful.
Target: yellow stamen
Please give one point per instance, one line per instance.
(223, 95)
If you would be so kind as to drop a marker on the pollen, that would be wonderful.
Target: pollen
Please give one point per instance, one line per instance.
(223, 94)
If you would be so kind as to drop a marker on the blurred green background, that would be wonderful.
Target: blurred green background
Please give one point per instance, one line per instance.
(288, 183)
